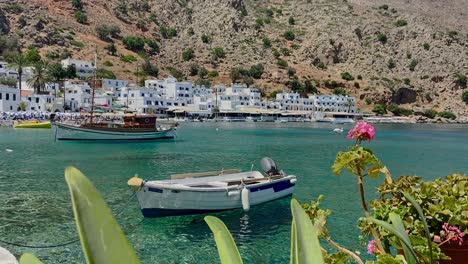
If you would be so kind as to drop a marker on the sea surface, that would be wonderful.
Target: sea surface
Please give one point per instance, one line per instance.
(35, 205)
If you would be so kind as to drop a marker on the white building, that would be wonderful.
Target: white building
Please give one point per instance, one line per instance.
(146, 100)
(77, 95)
(238, 95)
(9, 99)
(170, 88)
(292, 101)
(334, 103)
(203, 98)
(5, 71)
(113, 84)
(40, 102)
(83, 68)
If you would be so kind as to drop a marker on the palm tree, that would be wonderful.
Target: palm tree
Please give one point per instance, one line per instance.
(40, 76)
(19, 61)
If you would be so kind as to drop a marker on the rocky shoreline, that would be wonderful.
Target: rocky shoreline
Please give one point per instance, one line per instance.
(415, 120)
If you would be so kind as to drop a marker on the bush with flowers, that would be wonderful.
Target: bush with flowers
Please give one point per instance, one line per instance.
(412, 216)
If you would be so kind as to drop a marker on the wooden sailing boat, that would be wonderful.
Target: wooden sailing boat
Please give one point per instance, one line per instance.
(129, 127)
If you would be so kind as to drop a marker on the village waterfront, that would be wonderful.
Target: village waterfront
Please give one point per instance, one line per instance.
(35, 205)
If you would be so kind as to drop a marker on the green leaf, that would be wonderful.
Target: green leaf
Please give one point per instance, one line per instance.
(374, 171)
(423, 218)
(401, 234)
(343, 160)
(227, 249)
(27, 258)
(307, 246)
(101, 237)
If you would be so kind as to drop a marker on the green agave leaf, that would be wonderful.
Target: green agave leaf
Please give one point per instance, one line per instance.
(307, 246)
(101, 237)
(227, 249)
(294, 250)
(401, 234)
(423, 218)
(27, 258)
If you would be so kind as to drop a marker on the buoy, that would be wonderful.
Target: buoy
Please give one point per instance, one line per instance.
(217, 129)
(245, 199)
(8, 150)
(135, 183)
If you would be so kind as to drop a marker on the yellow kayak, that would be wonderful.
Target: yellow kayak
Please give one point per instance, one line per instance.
(33, 124)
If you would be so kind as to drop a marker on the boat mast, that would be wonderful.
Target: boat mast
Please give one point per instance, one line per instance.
(94, 85)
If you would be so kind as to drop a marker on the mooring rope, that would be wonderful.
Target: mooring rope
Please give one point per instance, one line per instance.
(65, 243)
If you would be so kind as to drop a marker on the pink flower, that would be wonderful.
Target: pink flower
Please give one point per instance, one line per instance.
(452, 233)
(371, 247)
(362, 131)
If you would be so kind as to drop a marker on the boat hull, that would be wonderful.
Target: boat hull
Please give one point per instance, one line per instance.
(159, 202)
(69, 132)
(44, 125)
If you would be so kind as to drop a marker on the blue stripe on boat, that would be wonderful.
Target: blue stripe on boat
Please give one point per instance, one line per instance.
(277, 186)
(155, 190)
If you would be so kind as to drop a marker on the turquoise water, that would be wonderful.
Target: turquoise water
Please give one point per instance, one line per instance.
(35, 207)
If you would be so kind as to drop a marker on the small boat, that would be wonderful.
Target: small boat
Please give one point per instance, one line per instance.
(196, 193)
(138, 127)
(33, 124)
(338, 130)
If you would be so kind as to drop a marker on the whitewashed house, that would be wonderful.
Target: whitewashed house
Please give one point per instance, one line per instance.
(146, 100)
(238, 95)
(40, 102)
(292, 101)
(109, 84)
(6, 71)
(77, 95)
(83, 68)
(173, 90)
(334, 103)
(9, 99)
(202, 98)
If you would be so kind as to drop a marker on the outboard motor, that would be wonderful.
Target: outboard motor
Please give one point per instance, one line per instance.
(269, 166)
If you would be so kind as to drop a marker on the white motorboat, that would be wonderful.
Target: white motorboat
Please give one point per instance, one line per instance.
(205, 192)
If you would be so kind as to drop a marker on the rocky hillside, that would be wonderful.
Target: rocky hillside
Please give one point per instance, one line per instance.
(410, 53)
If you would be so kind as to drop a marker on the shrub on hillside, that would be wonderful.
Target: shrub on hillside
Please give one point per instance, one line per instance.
(213, 74)
(401, 23)
(461, 79)
(206, 38)
(134, 43)
(167, 33)
(399, 111)
(77, 4)
(176, 73)
(382, 38)
(339, 91)
(309, 87)
(81, 17)
(154, 47)
(465, 97)
(102, 31)
(105, 74)
(291, 21)
(128, 58)
(447, 114)
(193, 69)
(188, 54)
(218, 53)
(380, 109)
(391, 64)
(426, 46)
(289, 35)
(282, 63)
(150, 69)
(256, 71)
(430, 113)
(347, 76)
(266, 42)
(413, 65)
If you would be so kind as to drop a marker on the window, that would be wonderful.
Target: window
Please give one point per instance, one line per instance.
(0, 96)
(186, 89)
(14, 97)
(169, 103)
(176, 104)
(7, 96)
(37, 100)
(133, 95)
(186, 95)
(148, 102)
